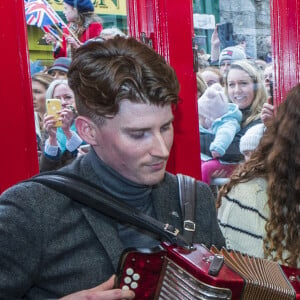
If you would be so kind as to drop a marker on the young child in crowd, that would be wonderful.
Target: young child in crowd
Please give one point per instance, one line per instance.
(221, 118)
(250, 140)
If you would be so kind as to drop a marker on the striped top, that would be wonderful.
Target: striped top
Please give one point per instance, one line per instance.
(243, 215)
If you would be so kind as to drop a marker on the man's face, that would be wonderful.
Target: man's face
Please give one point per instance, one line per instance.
(224, 66)
(137, 141)
(58, 74)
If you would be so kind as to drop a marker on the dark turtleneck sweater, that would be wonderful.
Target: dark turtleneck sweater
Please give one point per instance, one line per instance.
(134, 195)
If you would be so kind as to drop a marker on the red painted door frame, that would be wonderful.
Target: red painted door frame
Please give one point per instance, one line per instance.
(169, 25)
(18, 151)
(285, 18)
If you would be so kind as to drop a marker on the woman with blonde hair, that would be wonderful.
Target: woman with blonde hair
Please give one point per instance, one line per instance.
(259, 209)
(245, 88)
(40, 83)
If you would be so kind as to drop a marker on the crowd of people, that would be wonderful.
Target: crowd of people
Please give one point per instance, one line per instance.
(258, 207)
(59, 146)
(123, 112)
(246, 83)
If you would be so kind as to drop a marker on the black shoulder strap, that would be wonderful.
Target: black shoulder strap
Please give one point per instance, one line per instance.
(187, 196)
(80, 190)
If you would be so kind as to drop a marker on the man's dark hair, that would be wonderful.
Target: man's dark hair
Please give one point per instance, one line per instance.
(104, 73)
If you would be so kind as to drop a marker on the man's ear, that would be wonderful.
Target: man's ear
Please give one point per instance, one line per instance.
(86, 130)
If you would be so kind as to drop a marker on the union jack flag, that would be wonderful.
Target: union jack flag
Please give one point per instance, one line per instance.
(54, 32)
(39, 13)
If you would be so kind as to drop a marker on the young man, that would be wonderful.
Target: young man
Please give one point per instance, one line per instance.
(52, 246)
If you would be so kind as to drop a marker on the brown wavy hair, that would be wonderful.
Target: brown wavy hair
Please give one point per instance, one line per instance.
(102, 74)
(277, 159)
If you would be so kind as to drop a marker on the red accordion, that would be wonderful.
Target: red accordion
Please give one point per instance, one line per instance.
(171, 272)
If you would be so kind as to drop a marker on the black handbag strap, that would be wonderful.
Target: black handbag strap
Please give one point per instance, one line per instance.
(187, 196)
(87, 193)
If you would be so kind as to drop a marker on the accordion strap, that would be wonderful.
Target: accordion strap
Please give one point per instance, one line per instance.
(89, 194)
(187, 196)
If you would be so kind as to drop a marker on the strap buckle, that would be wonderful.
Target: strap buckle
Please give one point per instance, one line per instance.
(189, 225)
(171, 229)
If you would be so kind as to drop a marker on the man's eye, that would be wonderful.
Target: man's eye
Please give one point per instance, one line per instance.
(166, 128)
(137, 135)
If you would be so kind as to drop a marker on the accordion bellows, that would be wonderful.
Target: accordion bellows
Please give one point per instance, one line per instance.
(170, 272)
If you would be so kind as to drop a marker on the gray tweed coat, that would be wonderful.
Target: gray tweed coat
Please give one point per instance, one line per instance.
(51, 246)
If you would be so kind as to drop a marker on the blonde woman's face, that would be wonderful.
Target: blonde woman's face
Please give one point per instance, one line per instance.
(240, 88)
(39, 97)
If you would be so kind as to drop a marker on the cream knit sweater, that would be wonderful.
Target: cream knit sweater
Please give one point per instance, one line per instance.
(242, 217)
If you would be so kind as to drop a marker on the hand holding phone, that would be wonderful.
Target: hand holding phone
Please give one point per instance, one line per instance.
(53, 107)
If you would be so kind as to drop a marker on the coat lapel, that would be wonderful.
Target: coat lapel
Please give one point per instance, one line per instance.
(165, 199)
(106, 232)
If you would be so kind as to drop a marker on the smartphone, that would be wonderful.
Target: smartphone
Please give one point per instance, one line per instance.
(53, 107)
(225, 32)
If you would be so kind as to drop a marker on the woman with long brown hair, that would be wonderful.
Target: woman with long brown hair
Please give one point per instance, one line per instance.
(259, 209)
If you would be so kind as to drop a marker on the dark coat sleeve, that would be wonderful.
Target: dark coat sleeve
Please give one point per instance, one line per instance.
(47, 164)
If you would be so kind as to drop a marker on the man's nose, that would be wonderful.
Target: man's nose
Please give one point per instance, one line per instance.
(159, 147)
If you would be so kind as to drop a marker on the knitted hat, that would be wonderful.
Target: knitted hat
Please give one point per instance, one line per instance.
(250, 140)
(232, 53)
(213, 103)
(61, 63)
(81, 5)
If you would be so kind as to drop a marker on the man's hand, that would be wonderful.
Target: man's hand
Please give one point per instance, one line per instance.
(103, 291)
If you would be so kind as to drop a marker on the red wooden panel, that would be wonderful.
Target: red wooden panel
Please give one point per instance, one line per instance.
(18, 151)
(170, 27)
(285, 18)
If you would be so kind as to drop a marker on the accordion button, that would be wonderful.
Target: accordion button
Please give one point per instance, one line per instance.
(136, 276)
(129, 271)
(125, 287)
(127, 279)
(134, 285)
